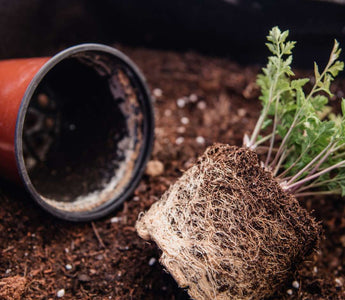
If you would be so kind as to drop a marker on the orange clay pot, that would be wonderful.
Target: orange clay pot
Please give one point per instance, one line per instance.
(75, 129)
(15, 77)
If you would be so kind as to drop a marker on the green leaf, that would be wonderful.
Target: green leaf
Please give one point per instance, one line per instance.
(299, 83)
(337, 67)
(266, 123)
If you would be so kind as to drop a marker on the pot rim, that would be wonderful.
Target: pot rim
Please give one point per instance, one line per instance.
(145, 152)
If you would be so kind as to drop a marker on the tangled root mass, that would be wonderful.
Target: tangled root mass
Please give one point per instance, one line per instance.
(226, 228)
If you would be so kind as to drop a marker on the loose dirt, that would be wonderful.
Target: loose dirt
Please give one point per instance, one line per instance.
(199, 101)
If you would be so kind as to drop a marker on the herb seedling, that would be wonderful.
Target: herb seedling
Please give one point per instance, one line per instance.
(231, 227)
(311, 139)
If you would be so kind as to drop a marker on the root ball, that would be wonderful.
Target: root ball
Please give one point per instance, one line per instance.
(226, 228)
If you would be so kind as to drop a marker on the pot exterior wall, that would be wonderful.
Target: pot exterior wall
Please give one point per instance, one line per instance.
(15, 76)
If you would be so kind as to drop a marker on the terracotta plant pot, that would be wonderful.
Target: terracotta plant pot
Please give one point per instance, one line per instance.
(76, 129)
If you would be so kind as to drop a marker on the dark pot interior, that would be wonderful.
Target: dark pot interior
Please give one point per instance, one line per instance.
(87, 133)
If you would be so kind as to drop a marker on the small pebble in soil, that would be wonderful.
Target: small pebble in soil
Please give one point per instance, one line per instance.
(295, 284)
(8, 271)
(167, 112)
(289, 292)
(84, 277)
(193, 98)
(181, 129)
(315, 269)
(136, 198)
(181, 102)
(115, 219)
(68, 267)
(179, 140)
(200, 140)
(66, 250)
(60, 293)
(184, 120)
(154, 168)
(152, 261)
(157, 93)
(339, 282)
(241, 112)
(201, 105)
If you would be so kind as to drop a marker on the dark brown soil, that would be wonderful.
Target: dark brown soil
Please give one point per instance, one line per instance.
(52, 255)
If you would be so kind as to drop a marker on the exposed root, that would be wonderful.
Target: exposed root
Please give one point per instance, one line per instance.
(227, 229)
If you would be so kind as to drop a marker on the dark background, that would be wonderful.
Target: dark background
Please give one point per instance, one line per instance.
(231, 28)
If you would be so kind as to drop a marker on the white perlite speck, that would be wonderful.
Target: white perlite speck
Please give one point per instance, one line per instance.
(68, 267)
(152, 261)
(289, 292)
(200, 140)
(184, 120)
(157, 92)
(295, 284)
(181, 102)
(60, 293)
(115, 219)
(193, 98)
(201, 105)
(179, 140)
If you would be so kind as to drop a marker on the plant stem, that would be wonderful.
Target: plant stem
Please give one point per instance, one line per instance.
(266, 148)
(282, 158)
(318, 183)
(305, 169)
(294, 163)
(273, 135)
(282, 145)
(264, 112)
(330, 61)
(321, 161)
(337, 191)
(264, 139)
(293, 186)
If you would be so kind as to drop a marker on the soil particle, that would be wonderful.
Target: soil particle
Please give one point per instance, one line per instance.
(154, 168)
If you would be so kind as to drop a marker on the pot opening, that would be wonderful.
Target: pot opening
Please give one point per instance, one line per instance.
(83, 131)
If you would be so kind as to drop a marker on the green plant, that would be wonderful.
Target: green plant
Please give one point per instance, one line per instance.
(306, 142)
